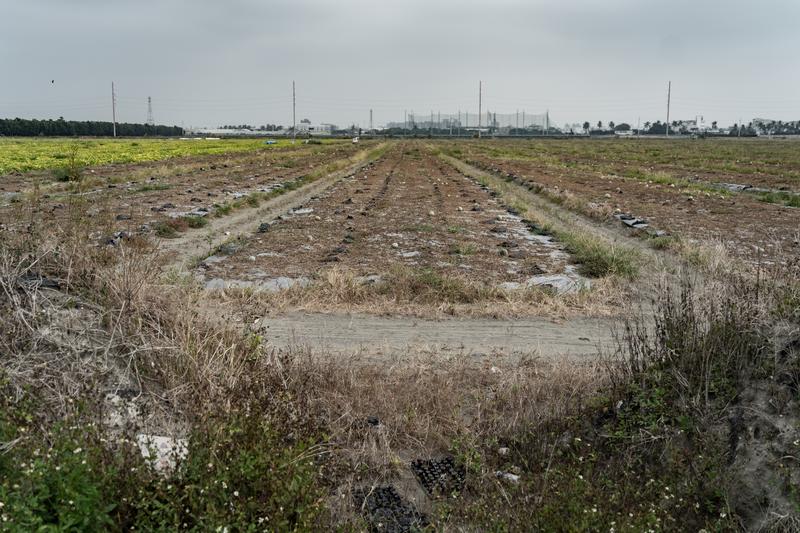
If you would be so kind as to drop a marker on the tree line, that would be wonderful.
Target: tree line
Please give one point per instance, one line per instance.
(21, 127)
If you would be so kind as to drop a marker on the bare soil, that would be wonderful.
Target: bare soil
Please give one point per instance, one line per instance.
(408, 209)
(753, 230)
(134, 198)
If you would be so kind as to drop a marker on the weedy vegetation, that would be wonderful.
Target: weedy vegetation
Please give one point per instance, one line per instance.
(691, 422)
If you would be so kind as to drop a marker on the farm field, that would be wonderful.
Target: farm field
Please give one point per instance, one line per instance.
(165, 197)
(407, 211)
(452, 334)
(25, 154)
(773, 164)
(612, 177)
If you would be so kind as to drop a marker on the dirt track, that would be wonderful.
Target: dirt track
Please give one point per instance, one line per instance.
(390, 337)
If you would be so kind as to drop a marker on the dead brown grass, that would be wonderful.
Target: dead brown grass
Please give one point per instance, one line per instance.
(381, 417)
(406, 292)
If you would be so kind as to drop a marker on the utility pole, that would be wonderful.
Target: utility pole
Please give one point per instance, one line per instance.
(517, 119)
(523, 119)
(480, 95)
(294, 115)
(370, 120)
(669, 95)
(150, 121)
(458, 128)
(430, 129)
(113, 109)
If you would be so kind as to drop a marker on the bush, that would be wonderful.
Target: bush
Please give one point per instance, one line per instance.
(72, 170)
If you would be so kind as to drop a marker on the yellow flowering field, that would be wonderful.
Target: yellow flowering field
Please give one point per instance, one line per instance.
(27, 154)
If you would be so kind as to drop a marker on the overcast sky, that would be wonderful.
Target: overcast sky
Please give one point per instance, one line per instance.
(233, 61)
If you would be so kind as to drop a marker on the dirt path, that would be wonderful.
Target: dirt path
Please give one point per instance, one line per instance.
(385, 338)
(193, 244)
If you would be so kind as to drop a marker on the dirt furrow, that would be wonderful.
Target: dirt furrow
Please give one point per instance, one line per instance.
(194, 244)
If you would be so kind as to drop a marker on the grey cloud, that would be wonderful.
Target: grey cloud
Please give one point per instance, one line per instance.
(233, 61)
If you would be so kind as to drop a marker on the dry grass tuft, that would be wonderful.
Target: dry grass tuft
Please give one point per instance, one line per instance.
(427, 294)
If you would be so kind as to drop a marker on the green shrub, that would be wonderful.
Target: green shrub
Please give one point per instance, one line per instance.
(194, 221)
(166, 230)
(72, 170)
(239, 474)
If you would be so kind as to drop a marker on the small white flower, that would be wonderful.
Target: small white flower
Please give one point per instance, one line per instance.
(236, 493)
(77, 450)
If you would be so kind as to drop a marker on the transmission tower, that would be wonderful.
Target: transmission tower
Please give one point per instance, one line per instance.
(150, 121)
